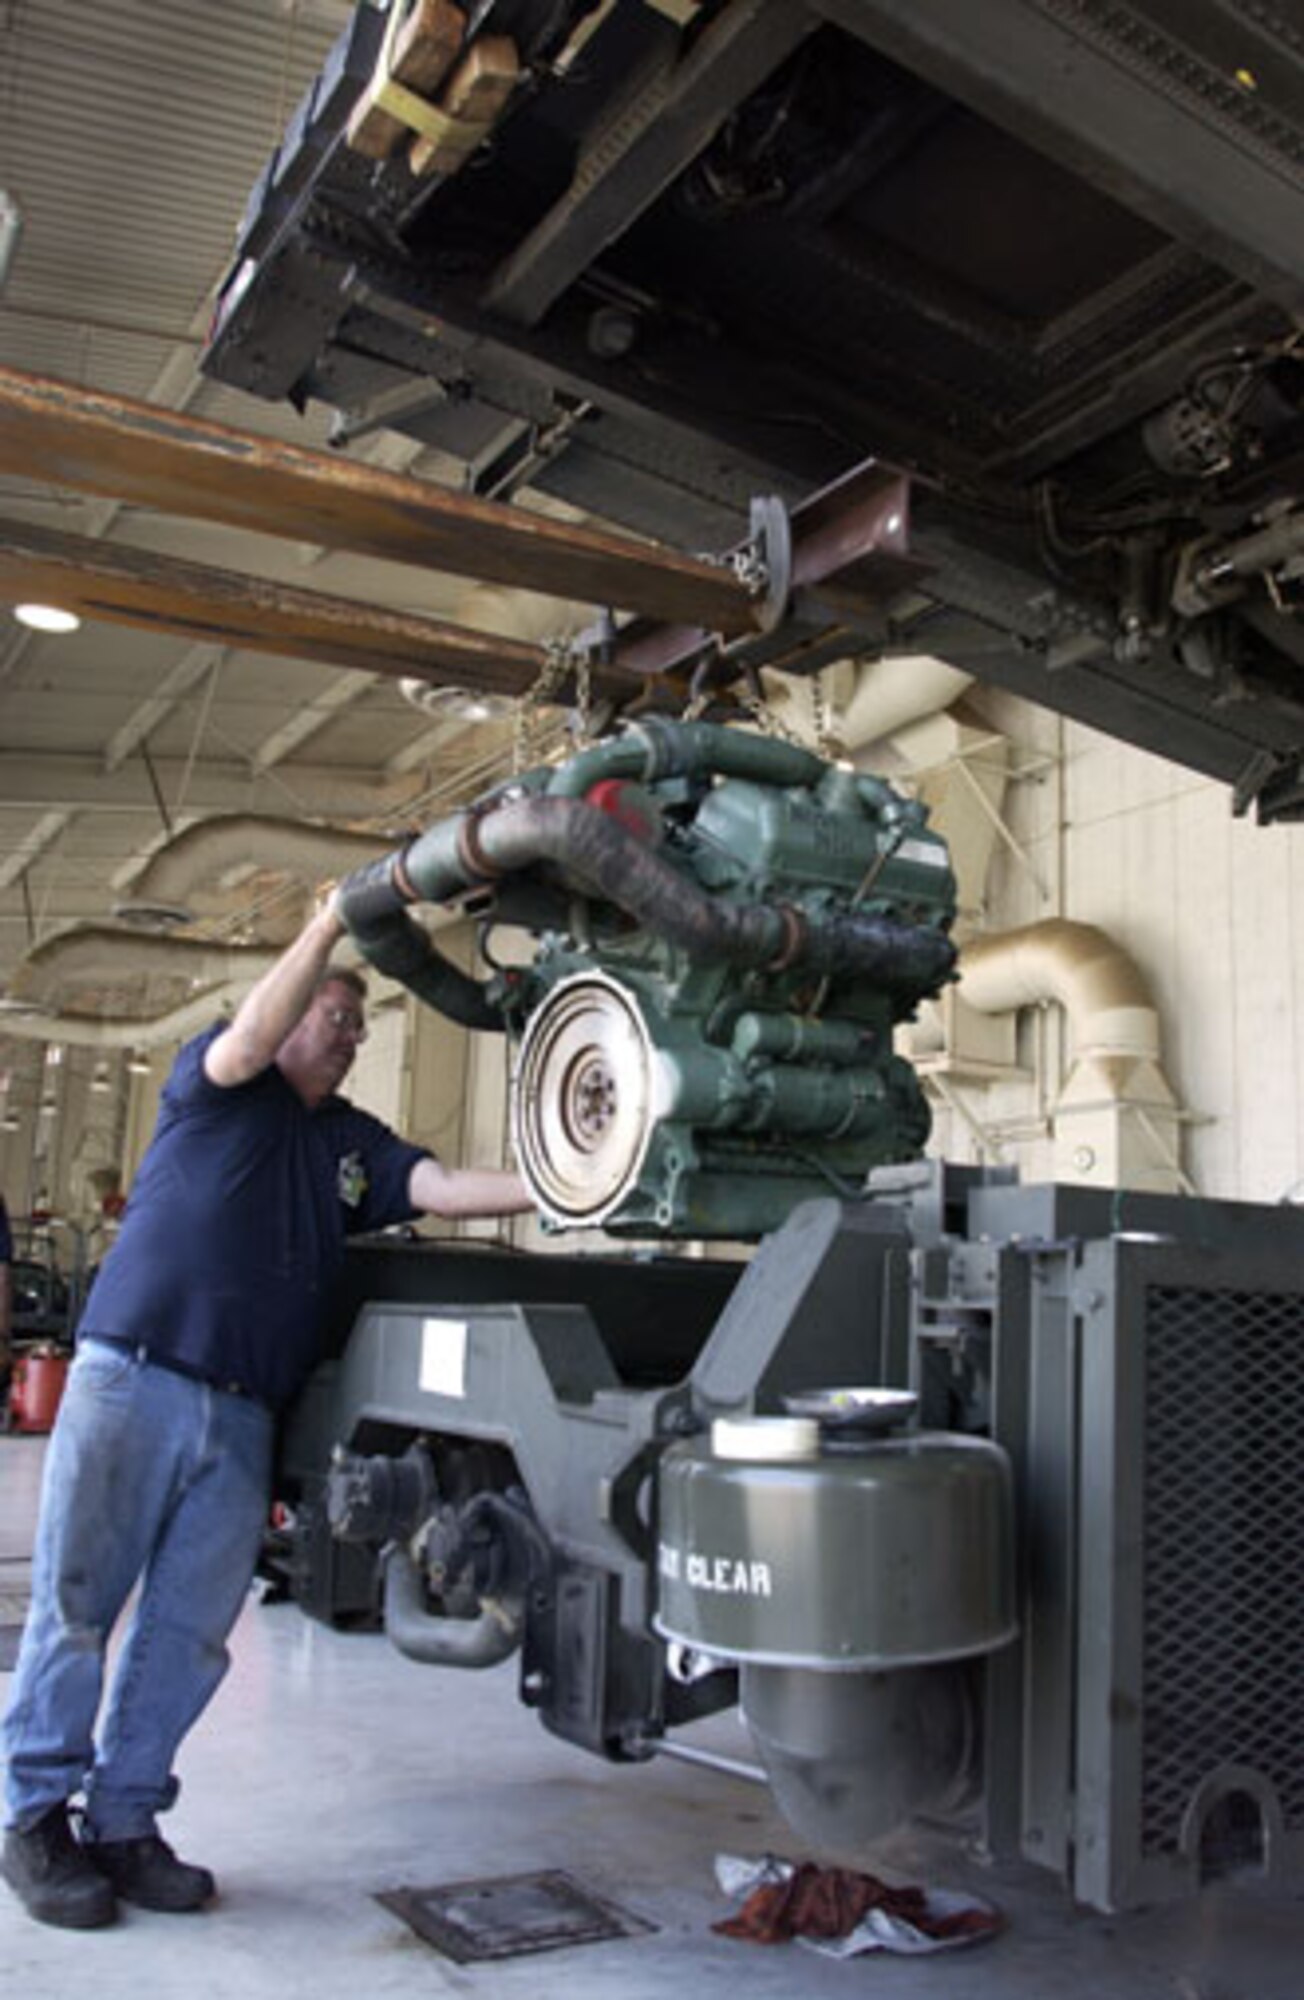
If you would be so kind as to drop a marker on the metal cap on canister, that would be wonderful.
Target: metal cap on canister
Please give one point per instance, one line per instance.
(765, 1440)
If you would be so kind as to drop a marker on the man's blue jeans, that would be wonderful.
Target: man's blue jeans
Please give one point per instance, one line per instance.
(148, 1476)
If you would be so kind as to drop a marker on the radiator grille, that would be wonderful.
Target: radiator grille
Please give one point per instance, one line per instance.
(1223, 1563)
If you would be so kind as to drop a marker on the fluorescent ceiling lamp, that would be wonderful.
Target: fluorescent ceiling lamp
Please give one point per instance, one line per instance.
(11, 228)
(46, 617)
(456, 704)
(138, 1065)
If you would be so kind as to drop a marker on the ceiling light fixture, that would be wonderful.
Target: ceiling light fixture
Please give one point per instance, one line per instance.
(138, 1064)
(11, 228)
(456, 704)
(46, 617)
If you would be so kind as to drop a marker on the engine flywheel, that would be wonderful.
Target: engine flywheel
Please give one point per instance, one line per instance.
(582, 1111)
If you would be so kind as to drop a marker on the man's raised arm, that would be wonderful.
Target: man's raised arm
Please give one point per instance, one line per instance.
(273, 1008)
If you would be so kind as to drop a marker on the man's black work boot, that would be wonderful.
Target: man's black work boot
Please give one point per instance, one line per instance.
(146, 1872)
(51, 1876)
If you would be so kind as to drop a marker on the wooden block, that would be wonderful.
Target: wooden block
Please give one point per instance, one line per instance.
(424, 50)
(472, 99)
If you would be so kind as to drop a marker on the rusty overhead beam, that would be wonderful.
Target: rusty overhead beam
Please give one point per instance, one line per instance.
(136, 452)
(130, 586)
(847, 556)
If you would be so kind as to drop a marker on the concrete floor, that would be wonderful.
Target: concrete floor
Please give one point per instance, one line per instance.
(330, 1768)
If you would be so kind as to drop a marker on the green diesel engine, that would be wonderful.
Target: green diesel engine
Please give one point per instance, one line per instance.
(728, 929)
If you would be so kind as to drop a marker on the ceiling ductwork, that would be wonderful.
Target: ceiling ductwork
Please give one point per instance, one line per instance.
(879, 698)
(520, 614)
(195, 861)
(1116, 1122)
(865, 700)
(80, 1031)
(1101, 989)
(117, 966)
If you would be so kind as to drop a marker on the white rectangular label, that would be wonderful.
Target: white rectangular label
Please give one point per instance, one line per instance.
(443, 1356)
(930, 852)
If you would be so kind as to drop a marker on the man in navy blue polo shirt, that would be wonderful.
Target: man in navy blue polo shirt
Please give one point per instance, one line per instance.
(202, 1324)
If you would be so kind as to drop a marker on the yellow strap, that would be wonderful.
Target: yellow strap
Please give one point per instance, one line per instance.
(426, 118)
(417, 113)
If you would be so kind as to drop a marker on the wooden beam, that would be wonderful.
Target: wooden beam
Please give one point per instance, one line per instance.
(424, 50)
(132, 451)
(126, 586)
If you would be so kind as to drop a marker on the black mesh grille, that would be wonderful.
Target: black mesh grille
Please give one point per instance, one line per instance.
(1223, 1514)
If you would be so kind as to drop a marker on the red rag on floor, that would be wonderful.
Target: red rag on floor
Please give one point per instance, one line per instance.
(819, 1902)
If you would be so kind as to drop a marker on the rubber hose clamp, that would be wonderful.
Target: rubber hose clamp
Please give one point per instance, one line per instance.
(794, 941)
(469, 851)
(399, 876)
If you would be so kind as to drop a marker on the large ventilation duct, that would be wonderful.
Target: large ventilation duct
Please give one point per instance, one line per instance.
(960, 773)
(90, 986)
(112, 968)
(99, 958)
(82, 1031)
(881, 697)
(107, 989)
(164, 891)
(1100, 988)
(519, 614)
(867, 700)
(1116, 1122)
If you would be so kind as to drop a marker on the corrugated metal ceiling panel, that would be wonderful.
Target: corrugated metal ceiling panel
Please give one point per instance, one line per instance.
(130, 137)
(131, 134)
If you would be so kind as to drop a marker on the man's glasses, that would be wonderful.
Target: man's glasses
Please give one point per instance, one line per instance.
(347, 1022)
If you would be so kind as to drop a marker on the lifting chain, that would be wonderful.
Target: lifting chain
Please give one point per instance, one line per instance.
(583, 695)
(821, 717)
(749, 566)
(563, 659)
(764, 716)
(751, 700)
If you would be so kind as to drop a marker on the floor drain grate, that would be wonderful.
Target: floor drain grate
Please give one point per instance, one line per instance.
(507, 1916)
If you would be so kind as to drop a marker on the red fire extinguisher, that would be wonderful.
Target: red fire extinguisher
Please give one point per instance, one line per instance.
(36, 1389)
